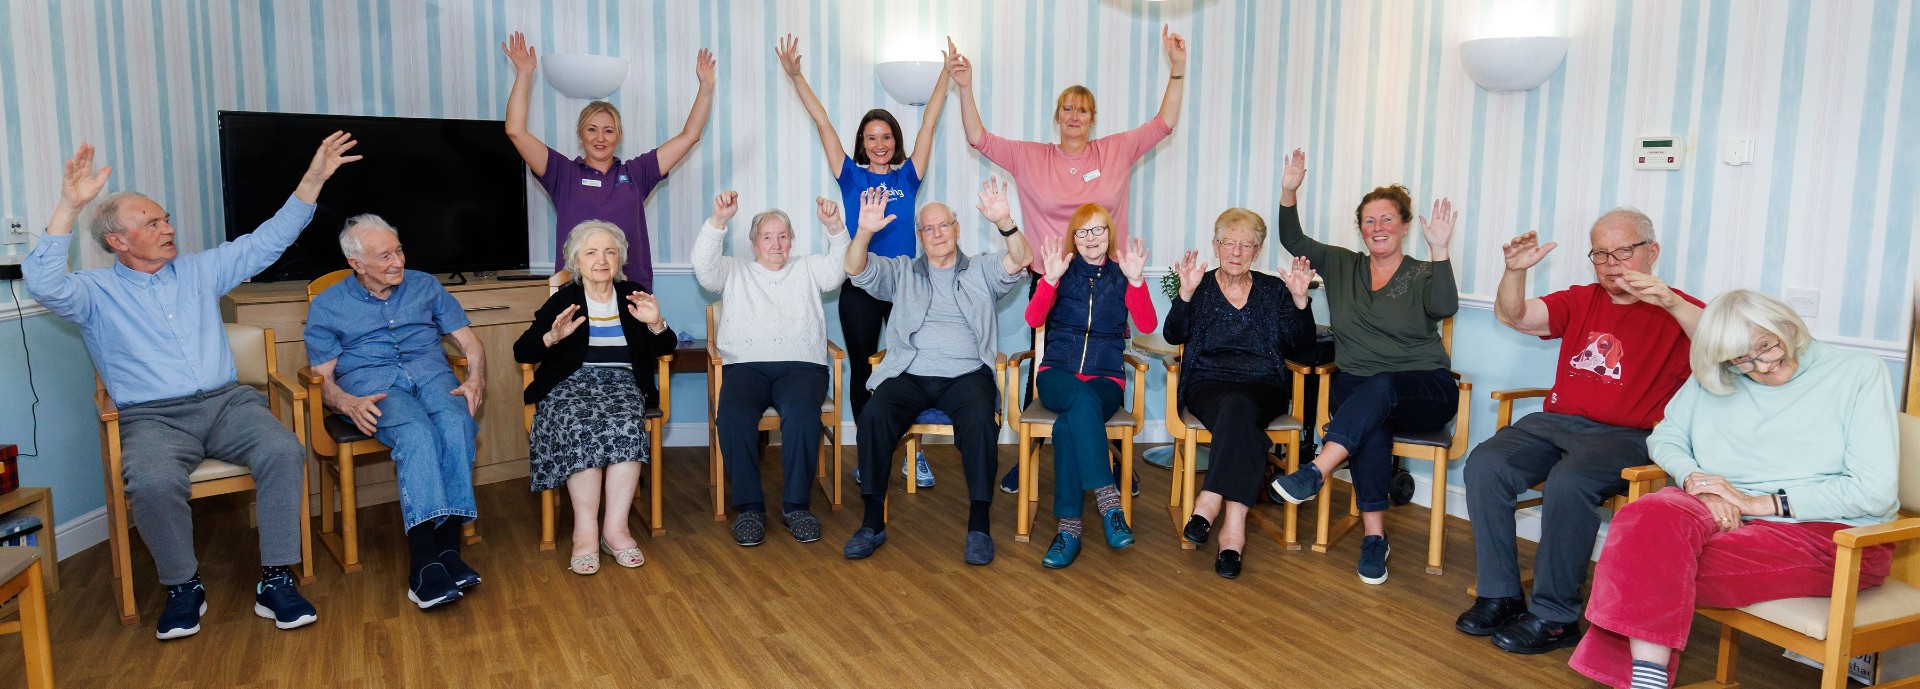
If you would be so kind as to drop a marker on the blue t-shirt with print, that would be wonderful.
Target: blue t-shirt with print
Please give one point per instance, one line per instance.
(902, 185)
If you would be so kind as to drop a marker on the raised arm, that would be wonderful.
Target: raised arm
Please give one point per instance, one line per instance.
(709, 266)
(1510, 302)
(46, 265)
(829, 271)
(789, 53)
(873, 219)
(960, 69)
(993, 205)
(331, 155)
(1653, 290)
(930, 120)
(1176, 48)
(676, 148)
(531, 148)
(1287, 222)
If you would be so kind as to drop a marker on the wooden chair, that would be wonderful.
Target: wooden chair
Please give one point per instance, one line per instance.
(830, 416)
(656, 419)
(1188, 433)
(936, 422)
(1439, 447)
(20, 571)
(1036, 421)
(253, 358)
(341, 442)
(1850, 622)
(1504, 418)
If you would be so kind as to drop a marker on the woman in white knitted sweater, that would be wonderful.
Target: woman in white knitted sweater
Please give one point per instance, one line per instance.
(773, 340)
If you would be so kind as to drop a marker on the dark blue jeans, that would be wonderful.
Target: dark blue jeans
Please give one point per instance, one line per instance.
(1367, 410)
(1079, 436)
(794, 390)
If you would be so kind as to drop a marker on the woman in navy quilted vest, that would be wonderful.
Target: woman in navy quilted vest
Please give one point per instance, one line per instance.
(1084, 298)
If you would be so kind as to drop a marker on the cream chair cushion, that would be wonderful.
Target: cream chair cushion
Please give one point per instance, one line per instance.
(826, 407)
(249, 344)
(213, 470)
(1909, 461)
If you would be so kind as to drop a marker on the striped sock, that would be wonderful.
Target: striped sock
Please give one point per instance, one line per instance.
(1649, 675)
(1107, 498)
(1070, 527)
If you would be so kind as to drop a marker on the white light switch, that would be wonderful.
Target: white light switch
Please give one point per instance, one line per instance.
(1805, 302)
(1736, 151)
(14, 231)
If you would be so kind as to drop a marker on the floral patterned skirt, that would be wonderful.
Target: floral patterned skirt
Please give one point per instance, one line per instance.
(592, 419)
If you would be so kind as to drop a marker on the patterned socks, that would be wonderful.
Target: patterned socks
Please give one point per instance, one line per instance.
(1649, 675)
(1070, 527)
(1107, 498)
(271, 572)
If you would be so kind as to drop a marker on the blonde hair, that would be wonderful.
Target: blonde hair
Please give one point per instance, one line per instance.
(1241, 219)
(595, 108)
(578, 238)
(1728, 328)
(1079, 92)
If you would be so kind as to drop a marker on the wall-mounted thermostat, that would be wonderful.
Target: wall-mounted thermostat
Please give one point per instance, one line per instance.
(1658, 153)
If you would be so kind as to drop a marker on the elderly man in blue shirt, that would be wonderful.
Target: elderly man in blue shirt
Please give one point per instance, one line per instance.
(374, 339)
(152, 324)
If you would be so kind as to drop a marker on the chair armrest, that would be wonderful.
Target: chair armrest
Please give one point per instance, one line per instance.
(294, 392)
(877, 356)
(999, 361)
(108, 410)
(835, 351)
(1139, 365)
(1891, 532)
(1017, 357)
(307, 376)
(713, 353)
(1518, 394)
(1326, 369)
(1649, 472)
(663, 379)
(1299, 368)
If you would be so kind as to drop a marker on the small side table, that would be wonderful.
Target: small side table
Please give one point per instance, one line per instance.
(38, 501)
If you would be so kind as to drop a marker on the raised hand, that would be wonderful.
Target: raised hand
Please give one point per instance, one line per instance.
(725, 205)
(1298, 279)
(1295, 171)
(873, 211)
(703, 68)
(1648, 288)
(993, 200)
(365, 412)
(564, 325)
(1525, 251)
(1439, 229)
(1176, 49)
(829, 213)
(788, 51)
(523, 56)
(1133, 260)
(331, 155)
(1054, 259)
(1190, 269)
(959, 67)
(644, 308)
(81, 182)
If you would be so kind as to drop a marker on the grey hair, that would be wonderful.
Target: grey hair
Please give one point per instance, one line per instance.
(1642, 225)
(577, 238)
(106, 217)
(1728, 328)
(349, 244)
(753, 233)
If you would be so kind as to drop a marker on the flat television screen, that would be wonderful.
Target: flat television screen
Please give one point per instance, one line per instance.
(455, 189)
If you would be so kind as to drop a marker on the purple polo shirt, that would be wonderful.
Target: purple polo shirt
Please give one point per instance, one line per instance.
(619, 196)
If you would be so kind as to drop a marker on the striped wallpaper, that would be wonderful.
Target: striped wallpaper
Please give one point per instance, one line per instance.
(1372, 89)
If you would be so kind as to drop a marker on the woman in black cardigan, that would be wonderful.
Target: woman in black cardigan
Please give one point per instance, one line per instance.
(595, 340)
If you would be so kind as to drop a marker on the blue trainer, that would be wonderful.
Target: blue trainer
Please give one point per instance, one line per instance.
(432, 586)
(275, 598)
(1010, 483)
(922, 474)
(185, 604)
(864, 542)
(1061, 553)
(1119, 535)
(1301, 485)
(1373, 559)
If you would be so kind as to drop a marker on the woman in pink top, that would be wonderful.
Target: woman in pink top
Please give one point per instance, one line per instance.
(1056, 179)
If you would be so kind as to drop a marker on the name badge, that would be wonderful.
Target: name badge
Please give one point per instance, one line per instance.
(589, 182)
(1091, 176)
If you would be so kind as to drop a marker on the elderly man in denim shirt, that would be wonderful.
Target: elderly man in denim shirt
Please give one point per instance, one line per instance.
(151, 322)
(941, 345)
(374, 340)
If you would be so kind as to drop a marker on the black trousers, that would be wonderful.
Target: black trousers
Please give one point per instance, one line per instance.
(794, 389)
(1237, 414)
(968, 399)
(862, 319)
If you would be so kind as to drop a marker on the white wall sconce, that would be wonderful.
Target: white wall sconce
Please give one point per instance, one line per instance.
(585, 77)
(1522, 63)
(910, 81)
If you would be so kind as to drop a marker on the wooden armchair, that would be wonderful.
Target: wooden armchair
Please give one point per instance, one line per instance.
(830, 416)
(254, 360)
(1036, 421)
(936, 422)
(1439, 447)
(1188, 433)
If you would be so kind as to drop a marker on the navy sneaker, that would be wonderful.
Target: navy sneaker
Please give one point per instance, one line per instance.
(1061, 553)
(922, 474)
(979, 548)
(185, 604)
(864, 542)
(1010, 483)
(1373, 559)
(1300, 486)
(432, 586)
(275, 598)
(463, 576)
(856, 473)
(1119, 535)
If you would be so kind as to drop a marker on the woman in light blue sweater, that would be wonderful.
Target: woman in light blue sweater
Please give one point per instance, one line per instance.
(1776, 443)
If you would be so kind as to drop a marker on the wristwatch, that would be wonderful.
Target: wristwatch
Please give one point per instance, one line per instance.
(1009, 231)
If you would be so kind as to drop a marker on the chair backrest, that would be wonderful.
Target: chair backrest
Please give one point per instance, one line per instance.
(1446, 334)
(253, 355)
(1906, 555)
(713, 321)
(320, 284)
(560, 278)
(1039, 354)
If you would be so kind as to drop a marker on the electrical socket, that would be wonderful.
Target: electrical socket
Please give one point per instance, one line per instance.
(1805, 302)
(13, 231)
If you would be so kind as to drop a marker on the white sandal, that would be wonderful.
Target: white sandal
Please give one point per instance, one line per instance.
(625, 557)
(585, 564)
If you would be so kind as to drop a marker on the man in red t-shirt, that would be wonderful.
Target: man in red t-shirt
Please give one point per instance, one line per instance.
(1623, 353)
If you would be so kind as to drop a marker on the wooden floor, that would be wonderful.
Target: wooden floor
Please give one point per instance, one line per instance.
(704, 612)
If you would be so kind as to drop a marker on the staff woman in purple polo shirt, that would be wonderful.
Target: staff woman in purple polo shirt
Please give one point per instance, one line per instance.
(876, 162)
(598, 186)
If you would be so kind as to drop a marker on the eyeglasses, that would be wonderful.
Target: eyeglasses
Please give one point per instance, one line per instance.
(947, 226)
(1236, 247)
(1748, 363)
(1621, 254)
(1086, 232)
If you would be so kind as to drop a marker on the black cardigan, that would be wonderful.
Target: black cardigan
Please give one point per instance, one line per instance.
(565, 357)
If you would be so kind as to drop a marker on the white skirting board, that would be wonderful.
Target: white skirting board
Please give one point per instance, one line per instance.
(81, 533)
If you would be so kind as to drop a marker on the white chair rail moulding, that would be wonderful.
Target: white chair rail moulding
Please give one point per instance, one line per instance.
(1511, 64)
(585, 77)
(909, 81)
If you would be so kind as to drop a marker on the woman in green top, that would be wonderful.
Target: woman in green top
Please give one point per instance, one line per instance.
(1394, 376)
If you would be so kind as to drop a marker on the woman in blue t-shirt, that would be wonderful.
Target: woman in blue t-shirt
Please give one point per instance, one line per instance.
(876, 162)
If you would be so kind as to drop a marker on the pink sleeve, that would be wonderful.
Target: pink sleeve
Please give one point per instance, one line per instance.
(1140, 306)
(1135, 142)
(1042, 303)
(1008, 154)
